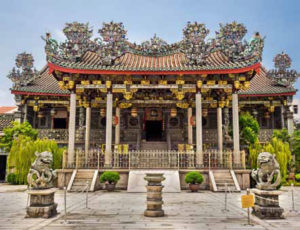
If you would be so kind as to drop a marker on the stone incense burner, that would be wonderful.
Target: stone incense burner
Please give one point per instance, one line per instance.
(154, 195)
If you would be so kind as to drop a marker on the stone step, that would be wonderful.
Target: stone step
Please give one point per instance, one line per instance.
(80, 183)
(84, 176)
(77, 188)
(224, 180)
(154, 145)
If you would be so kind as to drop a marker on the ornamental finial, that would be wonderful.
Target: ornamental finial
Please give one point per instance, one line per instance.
(24, 72)
(282, 75)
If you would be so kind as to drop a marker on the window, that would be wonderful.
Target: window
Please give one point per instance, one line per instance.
(295, 108)
(43, 122)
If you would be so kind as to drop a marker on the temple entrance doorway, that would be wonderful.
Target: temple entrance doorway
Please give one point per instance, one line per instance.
(153, 130)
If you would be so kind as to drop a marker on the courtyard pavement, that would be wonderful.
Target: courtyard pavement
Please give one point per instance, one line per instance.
(122, 210)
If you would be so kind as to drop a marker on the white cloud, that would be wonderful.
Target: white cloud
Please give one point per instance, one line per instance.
(59, 35)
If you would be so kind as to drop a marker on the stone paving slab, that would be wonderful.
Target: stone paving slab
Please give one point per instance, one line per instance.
(122, 210)
(4, 188)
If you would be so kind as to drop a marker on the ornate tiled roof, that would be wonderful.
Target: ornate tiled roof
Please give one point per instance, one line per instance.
(6, 121)
(7, 109)
(44, 83)
(112, 51)
(262, 84)
(171, 62)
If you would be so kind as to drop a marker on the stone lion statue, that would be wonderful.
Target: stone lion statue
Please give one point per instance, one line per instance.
(267, 174)
(40, 175)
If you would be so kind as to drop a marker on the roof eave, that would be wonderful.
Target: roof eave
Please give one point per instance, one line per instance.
(52, 67)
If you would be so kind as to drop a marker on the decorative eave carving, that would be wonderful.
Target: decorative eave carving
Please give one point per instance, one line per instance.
(282, 75)
(154, 47)
(193, 44)
(24, 71)
(113, 43)
(229, 40)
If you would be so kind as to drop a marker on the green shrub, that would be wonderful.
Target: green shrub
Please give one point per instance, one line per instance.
(282, 135)
(11, 133)
(297, 177)
(254, 150)
(11, 178)
(249, 129)
(283, 155)
(296, 149)
(110, 177)
(193, 178)
(22, 155)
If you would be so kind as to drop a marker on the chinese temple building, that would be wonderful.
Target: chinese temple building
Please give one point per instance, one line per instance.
(117, 104)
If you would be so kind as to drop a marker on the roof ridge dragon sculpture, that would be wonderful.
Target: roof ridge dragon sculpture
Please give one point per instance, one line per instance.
(113, 43)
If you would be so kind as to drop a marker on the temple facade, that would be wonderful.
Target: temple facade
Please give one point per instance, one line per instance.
(117, 104)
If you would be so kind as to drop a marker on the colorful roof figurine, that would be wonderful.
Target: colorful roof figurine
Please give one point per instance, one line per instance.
(282, 75)
(24, 72)
(113, 52)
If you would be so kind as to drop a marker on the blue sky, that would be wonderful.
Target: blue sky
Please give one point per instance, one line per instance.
(23, 22)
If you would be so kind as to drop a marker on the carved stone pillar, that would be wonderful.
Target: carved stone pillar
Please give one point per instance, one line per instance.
(282, 112)
(72, 123)
(199, 148)
(236, 131)
(117, 128)
(220, 134)
(190, 127)
(290, 122)
(87, 132)
(25, 108)
(108, 135)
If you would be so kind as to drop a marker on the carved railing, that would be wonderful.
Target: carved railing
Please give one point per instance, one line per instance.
(213, 160)
(157, 159)
(59, 135)
(265, 135)
(153, 159)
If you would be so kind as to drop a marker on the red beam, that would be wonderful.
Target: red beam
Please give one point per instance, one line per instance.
(38, 93)
(268, 94)
(53, 67)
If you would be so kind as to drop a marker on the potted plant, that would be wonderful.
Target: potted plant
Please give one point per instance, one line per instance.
(110, 179)
(194, 179)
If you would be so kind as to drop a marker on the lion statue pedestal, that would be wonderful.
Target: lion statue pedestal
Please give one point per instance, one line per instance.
(266, 194)
(41, 193)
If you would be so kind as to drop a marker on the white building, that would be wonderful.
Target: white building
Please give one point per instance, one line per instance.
(296, 111)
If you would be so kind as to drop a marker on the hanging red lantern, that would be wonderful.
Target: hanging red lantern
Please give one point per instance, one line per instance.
(116, 120)
(192, 120)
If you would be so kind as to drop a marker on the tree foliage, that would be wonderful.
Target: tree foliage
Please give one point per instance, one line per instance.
(22, 155)
(277, 147)
(254, 150)
(282, 135)
(296, 148)
(249, 129)
(283, 154)
(11, 133)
